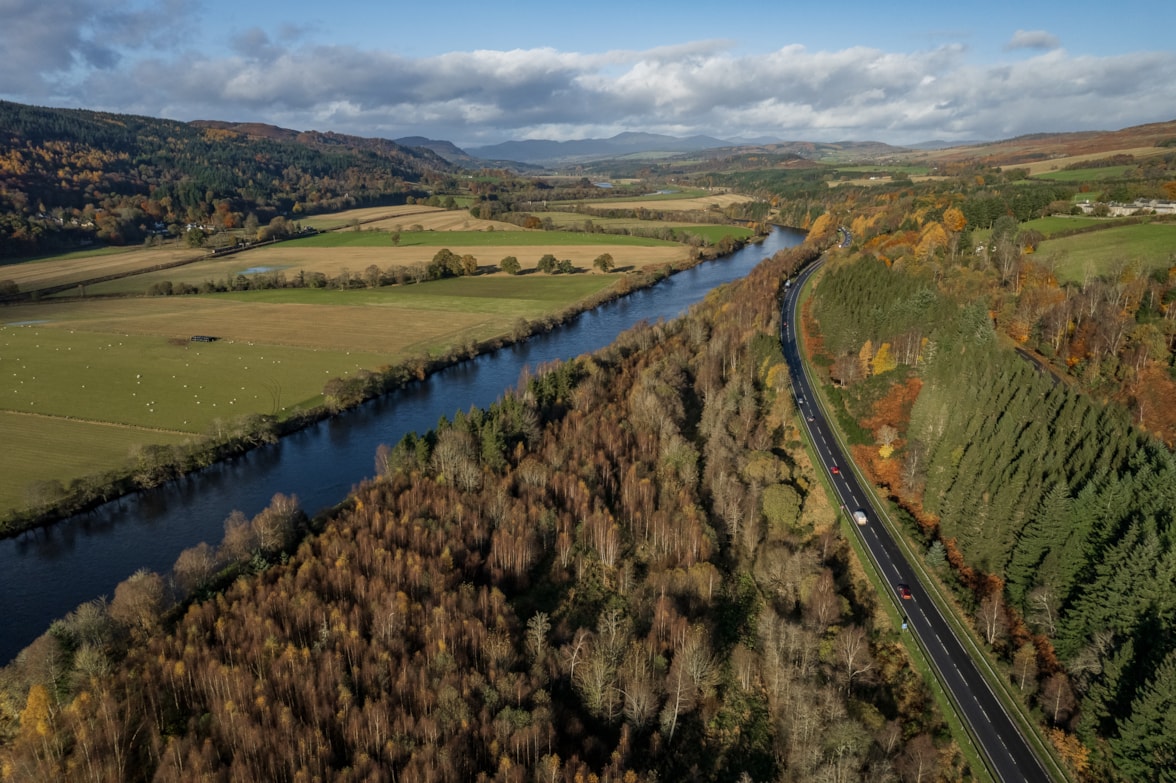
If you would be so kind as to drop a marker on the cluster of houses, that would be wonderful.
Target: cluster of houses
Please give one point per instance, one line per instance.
(1141, 206)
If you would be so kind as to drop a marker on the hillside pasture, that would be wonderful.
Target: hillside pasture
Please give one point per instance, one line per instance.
(1149, 245)
(1040, 168)
(1085, 175)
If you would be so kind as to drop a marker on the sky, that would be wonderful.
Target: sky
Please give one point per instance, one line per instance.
(479, 73)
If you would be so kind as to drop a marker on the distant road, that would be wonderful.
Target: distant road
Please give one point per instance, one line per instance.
(1010, 757)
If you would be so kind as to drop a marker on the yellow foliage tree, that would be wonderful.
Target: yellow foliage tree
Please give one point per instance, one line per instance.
(954, 220)
(822, 227)
(884, 359)
(36, 718)
(866, 357)
(1071, 749)
(932, 238)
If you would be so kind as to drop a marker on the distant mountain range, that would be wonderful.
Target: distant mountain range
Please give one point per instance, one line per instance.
(544, 151)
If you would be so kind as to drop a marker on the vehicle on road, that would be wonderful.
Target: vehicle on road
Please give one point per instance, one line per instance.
(836, 471)
(860, 517)
(904, 592)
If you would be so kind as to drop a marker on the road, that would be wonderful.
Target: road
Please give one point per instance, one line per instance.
(1010, 757)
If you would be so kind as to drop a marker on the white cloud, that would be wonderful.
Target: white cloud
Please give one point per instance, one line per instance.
(1032, 39)
(485, 96)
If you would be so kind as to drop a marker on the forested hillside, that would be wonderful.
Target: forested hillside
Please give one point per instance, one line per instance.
(624, 572)
(1056, 513)
(1113, 331)
(69, 177)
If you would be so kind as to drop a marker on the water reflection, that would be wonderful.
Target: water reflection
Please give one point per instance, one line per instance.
(45, 574)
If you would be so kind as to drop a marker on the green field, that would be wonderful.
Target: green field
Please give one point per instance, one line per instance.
(527, 296)
(38, 449)
(708, 231)
(1085, 175)
(1055, 224)
(121, 372)
(451, 239)
(1152, 245)
(71, 256)
(147, 381)
(677, 195)
(914, 171)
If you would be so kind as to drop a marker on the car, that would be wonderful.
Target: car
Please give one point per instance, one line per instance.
(810, 417)
(836, 471)
(904, 592)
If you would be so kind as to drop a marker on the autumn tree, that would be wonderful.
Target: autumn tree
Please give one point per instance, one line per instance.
(138, 600)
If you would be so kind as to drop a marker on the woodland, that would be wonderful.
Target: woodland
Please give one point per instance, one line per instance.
(624, 571)
(74, 178)
(628, 570)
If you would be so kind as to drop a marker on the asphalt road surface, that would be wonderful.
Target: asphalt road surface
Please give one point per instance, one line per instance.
(1009, 756)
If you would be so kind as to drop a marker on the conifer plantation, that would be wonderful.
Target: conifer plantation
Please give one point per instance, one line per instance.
(625, 571)
(1057, 514)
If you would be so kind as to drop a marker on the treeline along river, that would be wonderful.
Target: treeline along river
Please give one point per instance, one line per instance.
(47, 573)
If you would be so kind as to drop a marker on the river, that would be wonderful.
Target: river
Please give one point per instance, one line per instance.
(47, 573)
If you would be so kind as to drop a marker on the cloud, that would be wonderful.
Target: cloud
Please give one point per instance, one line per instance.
(486, 96)
(1032, 39)
(48, 47)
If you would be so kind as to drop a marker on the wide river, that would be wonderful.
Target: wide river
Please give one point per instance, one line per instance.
(47, 573)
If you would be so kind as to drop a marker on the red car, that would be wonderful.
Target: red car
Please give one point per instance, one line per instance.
(904, 592)
(836, 470)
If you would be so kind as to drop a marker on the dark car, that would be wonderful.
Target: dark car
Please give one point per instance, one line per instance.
(904, 592)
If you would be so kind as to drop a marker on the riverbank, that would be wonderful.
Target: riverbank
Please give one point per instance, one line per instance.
(158, 465)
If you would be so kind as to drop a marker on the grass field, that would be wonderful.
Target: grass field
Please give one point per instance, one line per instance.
(85, 365)
(364, 215)
(1085, 175)
(331, 261)
(81, 265)
(1039, 167)
(1151, 245)
(90, 264)
(439, 239)
(1059, 223)
(403, 218)
(124, 372)
(710, 232)
(94, 373)
(671, 202)
(42, 449)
